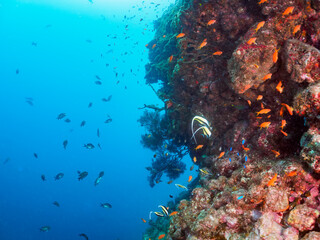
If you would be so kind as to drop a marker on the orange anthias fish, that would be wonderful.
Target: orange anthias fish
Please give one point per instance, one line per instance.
(245, 148)
(265, 125)
(288, 11)
(284, 133)
(273, 180)
(249, 102)
(221, 154)
(211, 22)
(289, 109)
(153, 46)
(198, 147)
(170, 58)
(259, 97)
(251, 41)
(296, 29)
(260, 25)
(161, 236)
(276, 153)
(275, 55)
(194, 159)
(283, 123)
(204, 43)
(263, 111)
(190, 178)
(173, 213)
(292, 173)
(180, 35)
(266, 77)
(279, 87)
(217, 53)
(143, 220)
(262, 1)
(281, 111)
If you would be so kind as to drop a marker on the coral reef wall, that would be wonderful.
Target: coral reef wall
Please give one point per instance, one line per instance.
(251, 69)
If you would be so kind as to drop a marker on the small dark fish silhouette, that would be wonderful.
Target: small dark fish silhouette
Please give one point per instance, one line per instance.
(34, 44)
(82, 175)
(170, 196)
(6, 161)
(97, 181)
(88, 41)
(29, 102)
(90, 105)
(82, 234)
(56, 203)
(106, 205)
(65, 143)
(67, 120)
(59, 176)
(17, 71)
(109, 120)
(98, 82)
(99, 145)
(88, 146)
(45, 229)
(97, 77)
(43, 177)
(83, 123)
(107, 99)
(98, 132)
(61, 115)
(35, 155)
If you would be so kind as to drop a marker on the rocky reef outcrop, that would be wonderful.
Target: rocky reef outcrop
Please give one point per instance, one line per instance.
(252, 70)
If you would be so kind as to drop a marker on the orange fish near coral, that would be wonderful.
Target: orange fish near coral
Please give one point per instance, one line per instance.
(283, 123)
(284, 133)
(265, 125)
(259, 97)
(153, 46)
(262, 1)
(279, 87)
(204, 43)
(180, 35)
(289, 109)
(217, 53)
(251, 41)
(273, 180)
(190, 178)
(260, 25)
(170, 58)
(296, 29)
(245, 148)
(173, 213)
(143, 220)
(221, 155)
(249, 102)
(292, 173)
(288, 11)
(281, 111)
(275, 55)
(276, 153)
(211, 22)
(263, 111)
(161, 236)
(266, 77)
(198, 147)
(194, 159)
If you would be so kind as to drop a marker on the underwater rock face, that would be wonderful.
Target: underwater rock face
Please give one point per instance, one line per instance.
(301, 61)
(303, 218)
(251, 69)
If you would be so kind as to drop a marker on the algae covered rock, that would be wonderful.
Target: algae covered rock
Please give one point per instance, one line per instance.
(303, 217)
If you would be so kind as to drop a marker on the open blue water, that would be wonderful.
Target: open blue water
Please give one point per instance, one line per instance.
(51, 51)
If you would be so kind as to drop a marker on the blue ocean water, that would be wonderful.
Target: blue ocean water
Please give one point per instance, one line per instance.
(52, 53)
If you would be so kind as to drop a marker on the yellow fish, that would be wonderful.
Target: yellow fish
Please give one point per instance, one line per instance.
(260, 25)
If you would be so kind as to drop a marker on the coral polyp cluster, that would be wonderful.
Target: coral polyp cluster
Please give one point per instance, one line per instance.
(253, 69)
